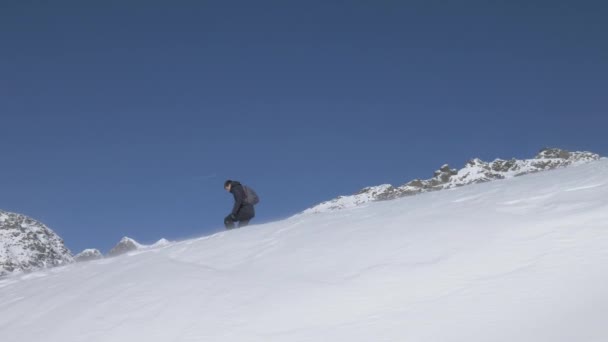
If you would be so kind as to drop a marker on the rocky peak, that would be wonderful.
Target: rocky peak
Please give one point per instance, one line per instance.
(26, 244)
(553, 153)
(88, 255)
(443, 174)
(125, 245)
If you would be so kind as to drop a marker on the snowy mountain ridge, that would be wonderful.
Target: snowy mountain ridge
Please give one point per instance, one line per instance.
(26, 244)
(475, 171)
(521, 260)
(127, 244)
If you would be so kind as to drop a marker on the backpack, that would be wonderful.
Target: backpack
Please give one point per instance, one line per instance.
(250, 196)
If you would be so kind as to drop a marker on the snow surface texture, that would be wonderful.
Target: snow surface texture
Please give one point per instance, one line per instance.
(26, 244)
(524, 259)
(475, 171)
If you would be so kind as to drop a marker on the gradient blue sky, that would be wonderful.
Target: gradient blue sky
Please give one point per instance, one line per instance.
(125, 118)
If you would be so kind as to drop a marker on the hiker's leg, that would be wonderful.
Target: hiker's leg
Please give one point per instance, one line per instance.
(228, 223)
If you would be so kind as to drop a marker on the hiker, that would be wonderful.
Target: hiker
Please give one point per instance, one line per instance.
(244, 200)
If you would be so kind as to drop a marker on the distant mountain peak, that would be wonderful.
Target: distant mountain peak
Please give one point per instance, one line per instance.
(88, 255)
(26, 245)
(125, 245)
(474, 171)
(162, 242)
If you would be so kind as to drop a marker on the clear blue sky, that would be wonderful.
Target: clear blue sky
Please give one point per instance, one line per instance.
(125, 118)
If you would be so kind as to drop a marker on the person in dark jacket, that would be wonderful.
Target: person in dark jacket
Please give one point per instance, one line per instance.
(242, 211)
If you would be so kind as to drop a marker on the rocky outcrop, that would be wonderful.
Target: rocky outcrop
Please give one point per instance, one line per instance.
(26, 245)
(474, 171)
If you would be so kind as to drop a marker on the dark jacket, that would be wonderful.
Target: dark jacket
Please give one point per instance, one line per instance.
(241, 209)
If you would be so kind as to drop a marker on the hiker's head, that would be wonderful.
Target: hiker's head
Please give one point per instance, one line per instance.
(228, 185)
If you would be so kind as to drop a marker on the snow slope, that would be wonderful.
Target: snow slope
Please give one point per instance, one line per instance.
(521, 259)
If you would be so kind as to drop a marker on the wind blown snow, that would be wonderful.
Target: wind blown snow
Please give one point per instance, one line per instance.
(523, 259)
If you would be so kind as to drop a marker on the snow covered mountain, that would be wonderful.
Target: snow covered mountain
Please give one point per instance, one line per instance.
(126, 245)
(522, 259)
(88, 255)
(475, 171)
(26, 244)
